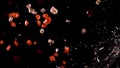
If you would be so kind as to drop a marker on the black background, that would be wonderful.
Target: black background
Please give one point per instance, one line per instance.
(57, 30)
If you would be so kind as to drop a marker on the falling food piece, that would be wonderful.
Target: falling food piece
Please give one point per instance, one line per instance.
(1, 42)
(86, 66)
(45, 15)
(52, 58)
(76, 48)
(98, 59)
(101, 48)
(8, 48)
(19, 23)
(83, 30)
(42, 31)
(64, 62)
(13, 24)
(97, 2)
(19, 34)
(32, 11)
(39, 23)
(35, 43)
(16, 58)
(28, 6)
(47, 21)
(55, 54)
(53, 10)
(43, 10)
(43, 26)
(16, 43)
(15, 14)
(64, 40)
(10, 19)
(66, 49)
(37, 16)
(50, 41)
(56, 50)
(67, 21)
(26, 22)
(89, 13)
(29, 42)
